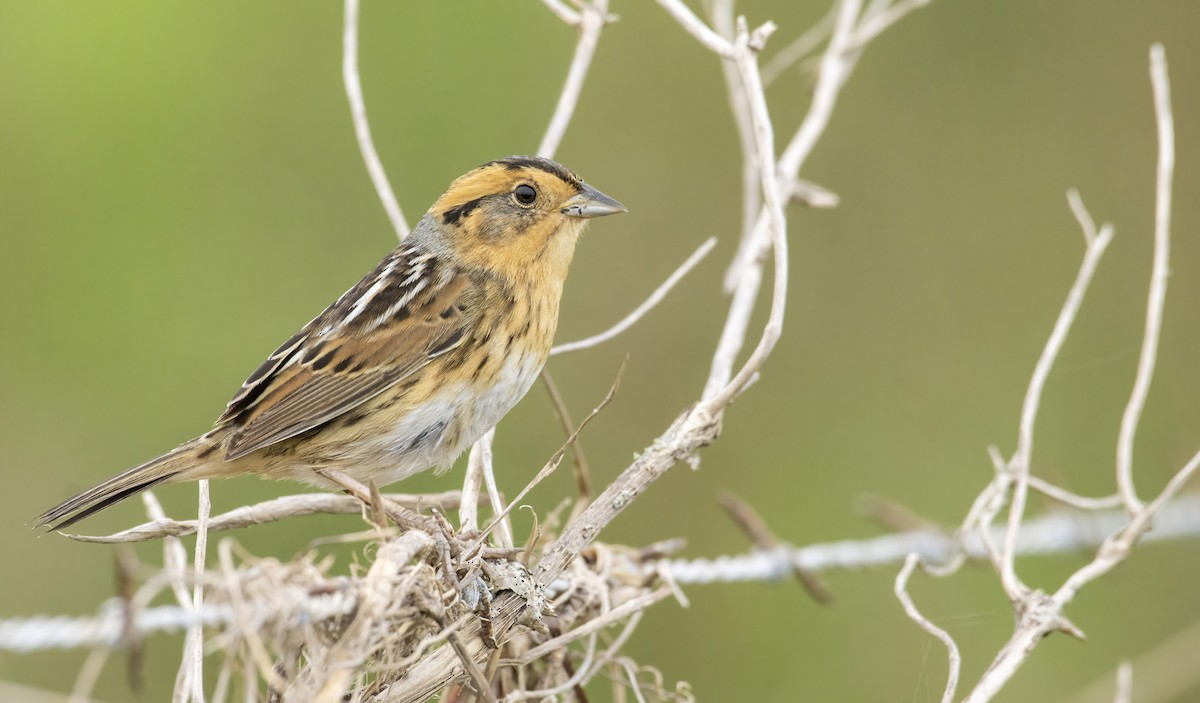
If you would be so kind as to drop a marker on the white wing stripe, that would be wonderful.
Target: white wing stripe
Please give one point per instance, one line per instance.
(380, 283)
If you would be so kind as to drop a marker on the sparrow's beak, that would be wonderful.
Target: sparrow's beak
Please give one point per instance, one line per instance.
(591, 203)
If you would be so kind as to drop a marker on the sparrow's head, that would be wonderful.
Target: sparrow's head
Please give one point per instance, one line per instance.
(519, 215)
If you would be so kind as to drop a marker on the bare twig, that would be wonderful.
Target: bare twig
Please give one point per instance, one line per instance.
(272, 510)
(1068, 498)
(565, 13)
(747, 518)
(799, 48)
(468, 509)
(1124, 693)
(1040, 614)
(640, 311)
(590, 21)
(362, 128)
(504, 535)
(701, 32)
(725, 23)
(482, 688)
(745, 56)
(837, 63)
(1019, 465)
(196, 633)
(376, 593)
(952, 652)
(836, 66)
(875, 24)
(1158, 277)
(556, 459)
(583, 474)
(611, 618)
(89, 673)
(174, 556)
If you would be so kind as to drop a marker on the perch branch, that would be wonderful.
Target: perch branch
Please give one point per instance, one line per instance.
(268, 511)
(1057, 532)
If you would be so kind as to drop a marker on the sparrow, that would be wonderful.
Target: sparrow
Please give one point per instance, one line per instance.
(415, 362)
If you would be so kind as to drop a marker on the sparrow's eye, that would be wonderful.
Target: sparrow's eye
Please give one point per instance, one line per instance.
(525, 194)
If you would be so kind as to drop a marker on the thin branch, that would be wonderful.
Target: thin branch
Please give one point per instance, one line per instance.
(725, 23)
(1033, 397)
(953, 656)
(504, 537)
(1124, 692)
(174, 555)
(799, 47)
(549, 694)
(89, 673)
(565, 13)
(551, 465)
(875, 24)
(611, 618)
(268, 511)
(468, 508)
(1074, 500)
(835, 69)
(362, 128)
(583, 473)
(477, 678)
(1158, 278)
(175, 566)
(1117, 547)
(747, 518)
(590, 22)
(837, 63)
(196, 633)
(640, 311)
(379, 589)
(764, 136)
(1040, 614)
(1082, 216)
(697, 28)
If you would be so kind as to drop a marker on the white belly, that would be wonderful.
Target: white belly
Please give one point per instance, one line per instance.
(435, 433)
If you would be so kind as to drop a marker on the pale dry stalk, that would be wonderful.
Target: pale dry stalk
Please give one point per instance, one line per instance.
(1038, 613)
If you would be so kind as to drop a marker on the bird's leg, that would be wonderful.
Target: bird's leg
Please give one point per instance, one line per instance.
(404, 517)
(442, 542)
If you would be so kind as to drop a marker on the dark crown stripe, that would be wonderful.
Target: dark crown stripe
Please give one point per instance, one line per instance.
(516, 163)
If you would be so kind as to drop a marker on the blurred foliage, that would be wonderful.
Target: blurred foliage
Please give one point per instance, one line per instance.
(180, 190)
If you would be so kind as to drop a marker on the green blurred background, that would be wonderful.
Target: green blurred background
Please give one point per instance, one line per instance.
(180, 189)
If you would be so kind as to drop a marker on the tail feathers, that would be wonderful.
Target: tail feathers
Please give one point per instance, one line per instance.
(116, 489)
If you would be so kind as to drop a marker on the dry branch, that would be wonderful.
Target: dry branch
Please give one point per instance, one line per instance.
(1059, 532)
(1039, 614)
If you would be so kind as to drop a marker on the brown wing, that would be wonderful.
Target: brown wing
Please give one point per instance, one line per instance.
(401, 316)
